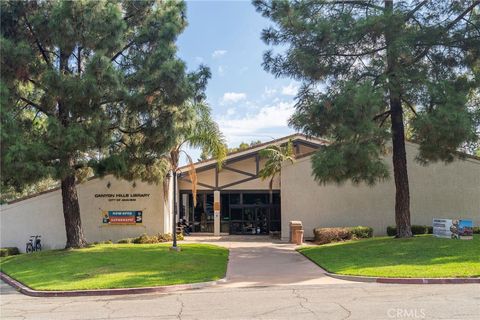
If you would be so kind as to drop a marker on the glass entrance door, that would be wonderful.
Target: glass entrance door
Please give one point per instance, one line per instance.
(250, 220)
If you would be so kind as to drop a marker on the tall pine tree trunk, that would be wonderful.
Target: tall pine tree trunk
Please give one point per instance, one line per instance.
(71, 208)
(402, 192)
(71, 213)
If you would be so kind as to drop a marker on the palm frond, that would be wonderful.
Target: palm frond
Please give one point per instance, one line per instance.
(207, 136)
(192, 174)
(275, 156)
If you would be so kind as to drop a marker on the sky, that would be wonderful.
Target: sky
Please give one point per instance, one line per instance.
(247, 102)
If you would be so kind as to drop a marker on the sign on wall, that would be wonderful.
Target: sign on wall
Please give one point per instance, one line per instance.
(122, 196)
(453, 228)
(122, 217)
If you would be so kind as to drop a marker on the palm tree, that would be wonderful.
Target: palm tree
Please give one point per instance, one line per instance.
(276, 156)
(194, 128)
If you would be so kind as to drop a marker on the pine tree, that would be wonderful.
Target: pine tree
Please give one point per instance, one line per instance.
(89, 86)
(362, 64)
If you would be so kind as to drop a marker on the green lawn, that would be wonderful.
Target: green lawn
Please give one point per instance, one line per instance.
(117, 266)
(421, 256)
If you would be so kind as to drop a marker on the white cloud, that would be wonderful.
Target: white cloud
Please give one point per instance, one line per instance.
(267, 122)
(290, 90)
(221, 70)
(232, 97)
(218, 53)
(268, 92)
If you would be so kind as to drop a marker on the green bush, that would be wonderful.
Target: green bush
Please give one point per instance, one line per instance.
(361, 232)
(9, 251)
(429, 229)
(391, 231)
(96, 242)
(165, 237)
(168, 237)
(144, 239)
(416, 229)
(127, 240)
(327, 235)
(476, 230)
(108, 242)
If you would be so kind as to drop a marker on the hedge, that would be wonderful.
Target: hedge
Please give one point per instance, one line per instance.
(144, 238)
(9, 251)
(327, 235)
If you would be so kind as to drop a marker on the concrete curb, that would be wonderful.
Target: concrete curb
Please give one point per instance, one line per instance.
(20, 287)
(404, 280)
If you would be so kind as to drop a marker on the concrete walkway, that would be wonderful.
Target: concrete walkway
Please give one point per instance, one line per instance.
(263, 261)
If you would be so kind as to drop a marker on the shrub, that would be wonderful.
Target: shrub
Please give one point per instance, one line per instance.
(165, 237)
(430, 230)
(9, 251)
(391, 231)
(361, 232)
(416, 229)
(327, 235)
(108, 242)
(96, 242)
(127, 240)
(144, 238)
(476, 230)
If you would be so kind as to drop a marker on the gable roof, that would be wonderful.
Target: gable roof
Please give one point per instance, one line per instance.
(255, 148)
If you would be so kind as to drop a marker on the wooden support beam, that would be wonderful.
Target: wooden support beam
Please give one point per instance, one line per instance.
(239, 171)
(199, 183)
(236, 182)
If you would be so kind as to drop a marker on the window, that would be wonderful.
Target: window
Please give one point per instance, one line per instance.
(234, 198)
(236, 213)
(255, 198)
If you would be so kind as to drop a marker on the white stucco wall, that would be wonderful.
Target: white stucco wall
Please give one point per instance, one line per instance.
(43, 214)
(437, 190)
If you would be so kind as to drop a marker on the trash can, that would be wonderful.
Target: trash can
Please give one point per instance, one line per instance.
(295, 225)
(298, 238)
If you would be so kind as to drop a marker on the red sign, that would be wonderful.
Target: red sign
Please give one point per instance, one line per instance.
(122, 220)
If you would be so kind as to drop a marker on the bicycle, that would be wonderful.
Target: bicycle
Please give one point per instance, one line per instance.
(34, 244)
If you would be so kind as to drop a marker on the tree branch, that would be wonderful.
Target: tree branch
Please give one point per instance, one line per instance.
(42, 51)
(410, 106)
(381, 114)
(448, 27)
(128, 45)
(35, 105)
(357, 2)
(412, 12)
(354, 54)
